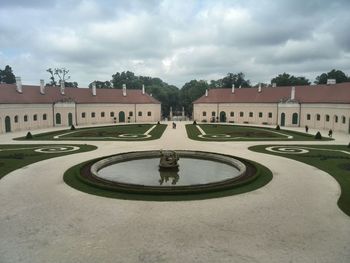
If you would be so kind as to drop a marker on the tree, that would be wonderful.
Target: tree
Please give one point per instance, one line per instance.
(7, 76)
(190, 92)
(289, 80)
(102, 84)
(237, 79)
(62, 75)
(128, 78)
(338, 75)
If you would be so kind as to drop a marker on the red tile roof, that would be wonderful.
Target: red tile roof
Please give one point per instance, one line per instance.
(31, 94)
(337, 93)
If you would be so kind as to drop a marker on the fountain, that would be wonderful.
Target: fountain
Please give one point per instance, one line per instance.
(167, 172)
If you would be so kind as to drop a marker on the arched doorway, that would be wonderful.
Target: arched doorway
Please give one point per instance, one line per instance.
(58, 118)
(222, 116)
(7, 124)
(283, 119)
(295, 118)
(70, 119)
(121, 116)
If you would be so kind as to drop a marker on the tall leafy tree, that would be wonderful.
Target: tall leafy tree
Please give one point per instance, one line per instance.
(7, 76)
(190, 92)
(237, 79)
(102, 84)
(338, 75)
(286, 79)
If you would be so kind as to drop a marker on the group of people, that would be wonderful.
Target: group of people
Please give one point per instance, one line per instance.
(330, 132)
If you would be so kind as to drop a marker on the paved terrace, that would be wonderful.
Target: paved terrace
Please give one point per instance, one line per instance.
(292, 219)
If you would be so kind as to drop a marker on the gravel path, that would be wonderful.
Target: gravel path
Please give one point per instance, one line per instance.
(292, 219)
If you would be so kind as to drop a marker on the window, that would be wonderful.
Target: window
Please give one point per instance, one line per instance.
(260, 114)
(44, 117)
(213, 113)
(102, 114)
(335, 118)
(131, 113)
(251, 114)
(58, 118)
(25, 118)
(35, 117)
(111, 114)
(343, 119)
(270, 114)
(149, 113)
(16, 118)
(83, 114)
(295, 118)
(93, 114)
(327, 117)
(140, 113)
(204, 113)
(318, 117)
(232, 114)
(308, 117)
(241, 114)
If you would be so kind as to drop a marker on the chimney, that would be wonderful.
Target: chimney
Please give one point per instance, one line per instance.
(124, 90)
(331, 81)
(93, 88)
(259, 89)
(18, 84)
(143, 89)
(42, 87)
(274, 84)
(233, 88)
(206, 92)
(292, 94)
(62, 87)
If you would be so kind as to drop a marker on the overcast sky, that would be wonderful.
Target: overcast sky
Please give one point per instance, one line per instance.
(175, 40)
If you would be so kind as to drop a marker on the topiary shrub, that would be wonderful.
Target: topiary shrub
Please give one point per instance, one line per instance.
(277, 128)
(349, 145)
(72, 128)
(158, 122)
(29, 136)
(318, 136)
(194, 123)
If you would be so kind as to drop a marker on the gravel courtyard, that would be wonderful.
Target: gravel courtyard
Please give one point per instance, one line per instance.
(294, 218)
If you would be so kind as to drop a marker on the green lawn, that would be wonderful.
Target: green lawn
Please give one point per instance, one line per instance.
(220, 132)
(333, 159)
(13, 157)
(131, 132)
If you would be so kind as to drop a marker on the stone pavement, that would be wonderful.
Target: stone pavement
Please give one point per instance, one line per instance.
(292, 219)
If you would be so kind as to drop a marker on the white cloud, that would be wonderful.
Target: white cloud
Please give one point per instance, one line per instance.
(174, 40)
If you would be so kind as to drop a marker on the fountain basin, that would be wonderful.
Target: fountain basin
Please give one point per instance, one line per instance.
(137, 172)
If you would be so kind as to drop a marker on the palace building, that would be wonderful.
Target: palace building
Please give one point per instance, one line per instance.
(25, 107)
(317, 106)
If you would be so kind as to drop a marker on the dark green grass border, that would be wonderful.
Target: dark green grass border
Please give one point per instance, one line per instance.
(156, 133)
(72, 178)
(328, 162)
(13, 160)
(193, 132)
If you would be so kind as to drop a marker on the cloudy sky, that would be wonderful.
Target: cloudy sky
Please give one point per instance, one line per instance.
(173, 39)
